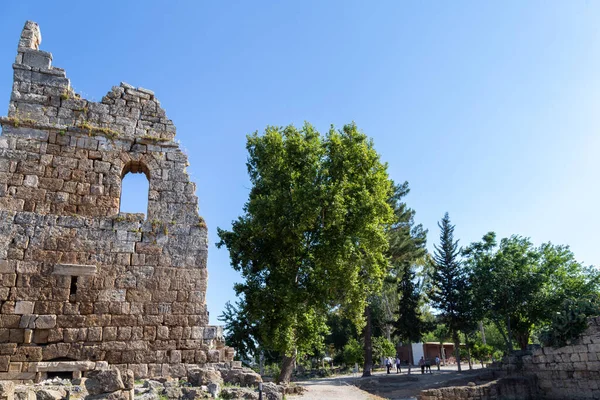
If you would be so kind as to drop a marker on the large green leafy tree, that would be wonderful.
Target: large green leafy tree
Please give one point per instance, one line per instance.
(312, 235)
(450, 289)
(519, 287)
(507, 284)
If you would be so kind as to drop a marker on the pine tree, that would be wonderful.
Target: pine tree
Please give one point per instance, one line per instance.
(409, 325)
(450, 291)
(406, 247)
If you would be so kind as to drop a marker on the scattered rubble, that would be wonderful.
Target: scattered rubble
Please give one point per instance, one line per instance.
(201, 383)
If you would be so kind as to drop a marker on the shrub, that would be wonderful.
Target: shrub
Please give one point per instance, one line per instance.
(353, 352)
(569, 323)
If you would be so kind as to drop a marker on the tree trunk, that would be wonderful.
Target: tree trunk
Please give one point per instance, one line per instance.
(522, 339)
(468, 352)
(410, 357)
(368, 345)
(509, 331)
(287, 367)
(504, 336)
(261, 360)
(457, 349)
(482, 332)
(443, 354)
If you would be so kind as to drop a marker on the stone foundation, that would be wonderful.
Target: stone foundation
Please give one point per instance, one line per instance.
(510, 388)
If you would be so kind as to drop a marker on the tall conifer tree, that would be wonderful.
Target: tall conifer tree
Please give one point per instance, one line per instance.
(450, 291)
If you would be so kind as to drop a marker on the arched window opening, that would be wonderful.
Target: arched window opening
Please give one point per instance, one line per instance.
(135, 187)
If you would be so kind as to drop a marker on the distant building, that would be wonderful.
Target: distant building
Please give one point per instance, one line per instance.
(427, 350)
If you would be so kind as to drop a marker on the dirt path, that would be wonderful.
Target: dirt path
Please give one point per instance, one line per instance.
(332, 389)
(382, 386)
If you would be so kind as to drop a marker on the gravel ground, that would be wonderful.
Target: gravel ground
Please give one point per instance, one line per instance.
(332, 389)
(393, 386)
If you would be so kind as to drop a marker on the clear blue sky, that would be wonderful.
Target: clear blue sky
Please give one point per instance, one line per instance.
(489, 109)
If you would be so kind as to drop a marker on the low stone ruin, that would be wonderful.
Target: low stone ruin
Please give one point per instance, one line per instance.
(201, 383)
(82, 284)
(507, 388)
(570, 372)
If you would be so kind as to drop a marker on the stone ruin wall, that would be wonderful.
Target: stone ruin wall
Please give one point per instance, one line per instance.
(570, 372)
(80, 283)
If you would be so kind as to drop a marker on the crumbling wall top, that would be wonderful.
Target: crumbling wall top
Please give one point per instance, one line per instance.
(68, 155)
(31, 37)
(42, 95)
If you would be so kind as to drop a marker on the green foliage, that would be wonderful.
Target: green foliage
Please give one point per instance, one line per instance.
(382, 347)
(407, 248)
(518, 286)
(312, 236)
(497, 355)
(240, 333)
(406, 240)
(506, 282)
(482, 352)
(439, 334)
(569, 323)
(273, 369)
(408, 326)
(353, 352)
(493, 336)
(398, 302)
(341, 329)
(450, 290)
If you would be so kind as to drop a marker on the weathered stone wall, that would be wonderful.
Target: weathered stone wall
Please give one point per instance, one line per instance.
(570, 372)
(79, 280)
(510, 388)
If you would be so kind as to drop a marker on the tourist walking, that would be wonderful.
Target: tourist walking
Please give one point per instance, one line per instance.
(422, 365)
(398, 364)
(428, 366)
(388, 364)
(437, 362)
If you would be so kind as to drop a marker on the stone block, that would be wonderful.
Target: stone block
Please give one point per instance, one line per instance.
(94, 334)
(107, 381)
(27, 321)
(74, 270)
(4, 363)
(7, 389)
(27, 336)
(594, 348)
(27, 354)
(37, 58)
(60, 366)
(24, 307)
(175, 356)
(45, 321)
